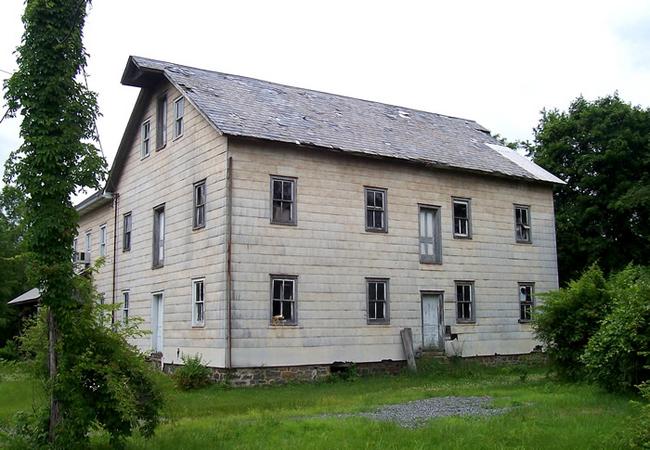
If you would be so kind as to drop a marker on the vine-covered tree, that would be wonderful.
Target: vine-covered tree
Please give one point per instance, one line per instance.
(601, 149)
(94, 376)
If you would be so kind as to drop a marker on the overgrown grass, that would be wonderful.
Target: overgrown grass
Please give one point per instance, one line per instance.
(544, 413)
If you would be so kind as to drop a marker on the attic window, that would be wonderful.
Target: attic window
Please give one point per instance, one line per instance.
(161, 122)
(146, 139)
(179, 114)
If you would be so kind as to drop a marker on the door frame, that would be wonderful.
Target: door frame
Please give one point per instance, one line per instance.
(160, 320)
(441, 316)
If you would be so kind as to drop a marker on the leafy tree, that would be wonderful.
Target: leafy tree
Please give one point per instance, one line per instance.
(618, 354)
(601, 149)
(56, 160)
(569, 317)
(12, 263)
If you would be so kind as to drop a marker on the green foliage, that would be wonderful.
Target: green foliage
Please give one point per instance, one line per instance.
(602, 150)
(641, 428)
(193, 374)
(569, 317)
(12, 263)
(108, 385)
(618, 354)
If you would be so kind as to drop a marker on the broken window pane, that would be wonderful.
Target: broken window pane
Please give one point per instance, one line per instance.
(522, 223)
(283, 201)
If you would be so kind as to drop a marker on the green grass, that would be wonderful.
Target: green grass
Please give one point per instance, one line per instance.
(544, 414)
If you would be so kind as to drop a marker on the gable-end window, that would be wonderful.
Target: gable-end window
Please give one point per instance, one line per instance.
(87, 247)
(199, 205)
(146, 139)
(198, 303)
(159, 236)
(430, 235)
(126, 238)
(283, 300)
(125, 305)
(102, 240)
(465, 302)
(179, 113)
(522, 224)
(462, 222)
(283, 201)
(526, 301)
(161, 122)
(376, 219)
(377, 300)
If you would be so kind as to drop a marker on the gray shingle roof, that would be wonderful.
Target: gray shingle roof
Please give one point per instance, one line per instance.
(241, 106)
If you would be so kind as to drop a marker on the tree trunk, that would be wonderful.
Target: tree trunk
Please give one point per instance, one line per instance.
(51, 363)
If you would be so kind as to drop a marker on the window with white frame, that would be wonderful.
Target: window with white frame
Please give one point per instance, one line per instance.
(125, 305)
(199, 205)
(430, 235)
(526, 301)
(145, 136)
(88, 244)
(465, 302)
(283, 200)
(161, 122)
(376, 209)
(102, 240)
(198, 302)
(522, 224)
(283, 300)
(126, 238)
(462, 223)
(159, 236)
(179, 114)
(377, 300)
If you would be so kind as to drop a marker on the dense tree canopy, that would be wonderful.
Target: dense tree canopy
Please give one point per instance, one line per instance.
(601, 149)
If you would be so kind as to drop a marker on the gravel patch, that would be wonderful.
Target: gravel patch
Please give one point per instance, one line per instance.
(415, 413)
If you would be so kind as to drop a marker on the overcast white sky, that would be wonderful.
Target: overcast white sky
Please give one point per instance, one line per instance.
(496, 62)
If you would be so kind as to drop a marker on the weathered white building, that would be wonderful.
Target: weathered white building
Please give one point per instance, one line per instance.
(263, 225)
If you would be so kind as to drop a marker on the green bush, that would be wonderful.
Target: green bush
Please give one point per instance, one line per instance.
(104, 384)
(569, 317)
(618, 355)
(641, 428)
(193, 374)
(10, 352)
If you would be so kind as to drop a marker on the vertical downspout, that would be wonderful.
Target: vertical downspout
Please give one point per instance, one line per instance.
(229, 261)
(116, 198)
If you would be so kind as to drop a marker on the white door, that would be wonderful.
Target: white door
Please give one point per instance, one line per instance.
(431, 321)
(157, 323)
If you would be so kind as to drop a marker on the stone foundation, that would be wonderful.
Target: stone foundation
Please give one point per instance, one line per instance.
(503, 360)
(266, 376)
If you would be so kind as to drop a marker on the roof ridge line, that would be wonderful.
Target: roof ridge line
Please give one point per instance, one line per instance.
(315, 90)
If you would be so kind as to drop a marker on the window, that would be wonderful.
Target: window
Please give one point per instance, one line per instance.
(430, 235)
(376, 210)
(74, 245)
(462, 225)
(102, 240)
(283, 200)
(159, 236)
(179, 112)
(526, 301)
(283, 300)
(146, 139)
(88, 245)
(161, 122)
(522, 223)
(465, 301)
(125, 306)
(126, 239)
(199, 205)
(198, 308)
(377, 294)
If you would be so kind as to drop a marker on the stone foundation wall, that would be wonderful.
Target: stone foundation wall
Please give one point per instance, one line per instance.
(265, 376)
(500, 360)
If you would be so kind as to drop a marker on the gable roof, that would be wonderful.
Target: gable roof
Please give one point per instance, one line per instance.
(247, 107)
